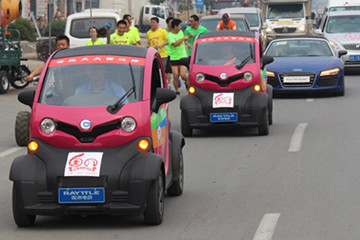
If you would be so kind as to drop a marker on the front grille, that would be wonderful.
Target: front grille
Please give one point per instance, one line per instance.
(224, 83)
(284, 30)
(88, 137)
(352, 46)
(310, 74)
(78, 182)
(352, 63)
(272, 81)
(327, 80)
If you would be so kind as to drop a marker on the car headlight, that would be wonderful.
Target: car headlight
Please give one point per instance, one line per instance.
(336, 46)
(329, 72)
(269, 30)
(302, 28)
(200, 77)
(270, 74)
(248, 76)
(128, 124)
(47, 125)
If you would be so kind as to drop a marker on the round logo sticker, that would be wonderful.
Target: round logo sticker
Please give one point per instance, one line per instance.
(223, 76)
(85, 124)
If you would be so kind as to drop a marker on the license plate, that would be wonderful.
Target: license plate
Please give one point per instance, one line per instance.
(223, 117)
(354, 57)
(296, 79)
(285, 22)
(81, 195)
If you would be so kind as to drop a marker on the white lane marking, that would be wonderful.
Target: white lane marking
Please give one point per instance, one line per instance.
(267, 226)
(309, 100)
(297, 137)
(10, 151)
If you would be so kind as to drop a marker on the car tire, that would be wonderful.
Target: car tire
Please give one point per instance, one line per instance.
(186, 130)
(19, 81)
(21, 219)
(177, 186)
(4, 82)
(154, 212)
(269, 91)
(264, 124)
(22, 124)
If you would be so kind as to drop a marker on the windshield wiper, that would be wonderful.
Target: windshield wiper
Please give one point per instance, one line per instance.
(119, 103)
(246, 60)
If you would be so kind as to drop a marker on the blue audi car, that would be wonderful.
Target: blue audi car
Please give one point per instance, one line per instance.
(305, 64)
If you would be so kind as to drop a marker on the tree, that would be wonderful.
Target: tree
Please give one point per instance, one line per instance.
(156, 2)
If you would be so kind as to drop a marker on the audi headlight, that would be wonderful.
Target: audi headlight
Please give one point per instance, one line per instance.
(302, 28)
(48, 125)
(248, 76)
(329, 72)
(270, 74)
(336, 46)
(200, 77)
(128, 124)
(269, 30)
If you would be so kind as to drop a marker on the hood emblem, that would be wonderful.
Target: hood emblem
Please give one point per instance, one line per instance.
(85, 124)
(223, 76)
(297, 70)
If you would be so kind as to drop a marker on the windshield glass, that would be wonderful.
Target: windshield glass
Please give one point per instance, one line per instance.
(252, 18)
(80, 27)
(278, 11)
(211, 24)
(223, 53)
(343, 24)
(91, 84)
(225, 4)
(299, 48)
(344, 8)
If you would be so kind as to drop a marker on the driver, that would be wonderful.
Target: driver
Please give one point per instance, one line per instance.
(227, 56)
(99, 83)
(226, 23)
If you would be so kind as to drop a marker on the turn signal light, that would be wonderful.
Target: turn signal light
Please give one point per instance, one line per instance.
(257, 88)
(192, 90)
(33, 146)
(143, 145)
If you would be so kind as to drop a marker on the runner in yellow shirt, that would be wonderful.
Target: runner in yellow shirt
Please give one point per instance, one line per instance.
(93, 32)
(121, 36)
(157, 38)
(131, 29)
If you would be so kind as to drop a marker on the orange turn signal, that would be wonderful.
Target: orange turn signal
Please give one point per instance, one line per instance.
(143, 145)
(33, 146)
(192, 90)
(257, 88)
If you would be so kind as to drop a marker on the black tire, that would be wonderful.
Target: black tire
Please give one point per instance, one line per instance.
(177, 186)
(269, 91)
(264, 124)
(186, 130)
(154, 212)
(19, 80)
(4, 82)
(20, 217)
(22, 124)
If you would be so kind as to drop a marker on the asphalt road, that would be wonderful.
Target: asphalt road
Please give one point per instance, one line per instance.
(299, 182)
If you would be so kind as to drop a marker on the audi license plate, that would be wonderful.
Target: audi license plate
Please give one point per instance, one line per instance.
(81, 195)
(354, 58)
(223, 117)
(296, 79)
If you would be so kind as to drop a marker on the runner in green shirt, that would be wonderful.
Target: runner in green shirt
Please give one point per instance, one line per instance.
(93, 32)
(121, 36)
(131, 29)
(192, 31)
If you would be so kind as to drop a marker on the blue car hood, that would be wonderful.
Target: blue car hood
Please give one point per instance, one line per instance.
(303, 64)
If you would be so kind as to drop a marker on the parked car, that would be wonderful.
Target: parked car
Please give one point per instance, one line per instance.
(100, 137)
(227, 88)
(305, 64)
(211, 22)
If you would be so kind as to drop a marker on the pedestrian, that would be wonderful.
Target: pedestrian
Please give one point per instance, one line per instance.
(178, 56)
(168, 70)
(122, 37)
(95, 40)
(226, 23)
(157, 38)
(61, 42)
(132, 29)
(192, 31)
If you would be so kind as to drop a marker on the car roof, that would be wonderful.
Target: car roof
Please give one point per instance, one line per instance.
(226, 33)
(219, 17)
(343, 13)
(239, 10)
(121, 50)
(301, 37)
(94, 14)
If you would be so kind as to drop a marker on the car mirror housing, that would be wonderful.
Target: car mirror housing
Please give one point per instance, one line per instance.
(342, 52)
(163, 95)
(27, 97)
(266, 60)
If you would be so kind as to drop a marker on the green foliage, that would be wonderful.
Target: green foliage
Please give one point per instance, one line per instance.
(157, 2)
(27, 31)
(57, 28)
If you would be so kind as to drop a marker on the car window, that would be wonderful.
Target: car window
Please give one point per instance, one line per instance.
(343, 24)
(253, 18)
(211, 24)
(299, 48)
(80, 27)
(278, 11)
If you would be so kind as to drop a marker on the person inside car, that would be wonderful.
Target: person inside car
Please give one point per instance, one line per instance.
(226, 23)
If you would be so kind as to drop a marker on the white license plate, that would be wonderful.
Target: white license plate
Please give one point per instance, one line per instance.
(296, 79)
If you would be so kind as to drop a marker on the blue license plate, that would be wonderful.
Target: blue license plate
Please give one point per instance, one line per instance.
(223, 117)
(354, 57)
(81, 195)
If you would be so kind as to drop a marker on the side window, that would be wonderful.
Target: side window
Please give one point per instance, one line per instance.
(156, 80)
(147, 10)
(156, 12)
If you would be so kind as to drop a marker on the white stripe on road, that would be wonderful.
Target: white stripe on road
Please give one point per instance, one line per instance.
(309, 100)
(297, 137)
(10, 151)
(267, 226)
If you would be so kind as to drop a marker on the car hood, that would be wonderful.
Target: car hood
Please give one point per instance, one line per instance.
(303, 64)
(344, 37)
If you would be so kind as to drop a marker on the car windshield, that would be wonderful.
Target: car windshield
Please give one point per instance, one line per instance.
(227, 4)
(344, 8)
(224, 53)
(211, 24)
(343, 24)
(299, 48)
(90, 84)
(80, 27)
(252, 18)
(278, 11)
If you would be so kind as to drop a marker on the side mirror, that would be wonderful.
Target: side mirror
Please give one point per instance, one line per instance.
(163, 95)
(27, 97)
(342, 53)
(265, 60)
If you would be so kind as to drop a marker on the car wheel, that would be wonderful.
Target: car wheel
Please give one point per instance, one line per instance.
(4, 82)
(177, 186)
(21, 219)
(269, 91)
(154, 212)
(264, 124)
(22, 124)
(186, 130)
(19, 81)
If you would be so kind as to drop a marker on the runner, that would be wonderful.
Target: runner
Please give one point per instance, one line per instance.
(121, 36)
(93, 32)
(157, 38)
(192, 31)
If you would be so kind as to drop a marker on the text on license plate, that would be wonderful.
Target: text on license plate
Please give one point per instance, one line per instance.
(223, 117)
(296, 79)
(81, 195)
(354, 57)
